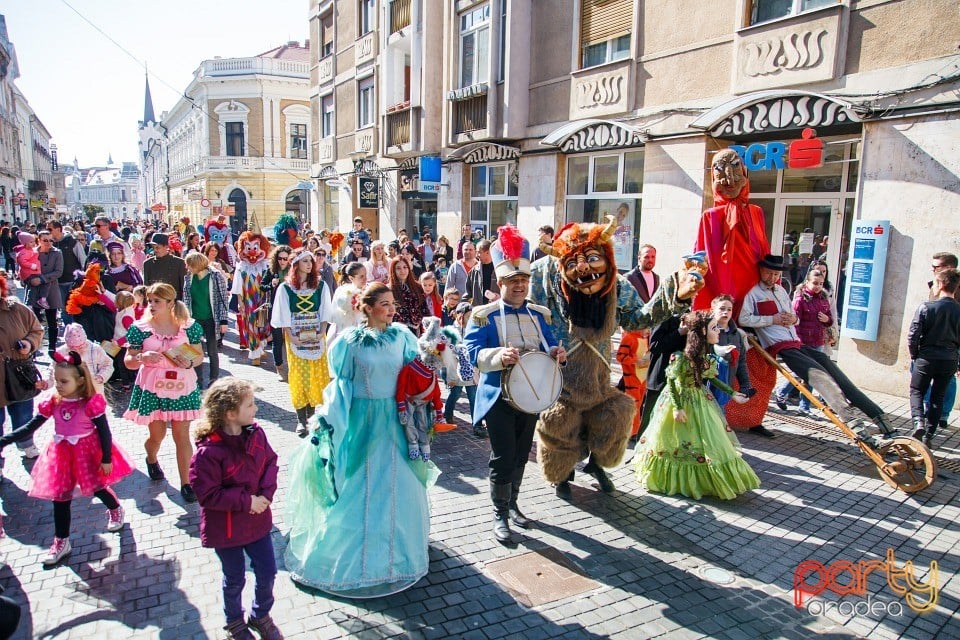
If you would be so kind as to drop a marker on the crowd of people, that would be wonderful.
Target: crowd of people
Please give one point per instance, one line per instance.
(143, 307)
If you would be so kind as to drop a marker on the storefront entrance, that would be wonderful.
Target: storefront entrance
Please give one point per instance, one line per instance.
(805, 227)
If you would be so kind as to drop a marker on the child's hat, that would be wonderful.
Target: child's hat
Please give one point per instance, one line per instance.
(24, 237)
(74, 336)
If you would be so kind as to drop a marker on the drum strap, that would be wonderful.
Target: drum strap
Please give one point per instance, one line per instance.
(536, 325)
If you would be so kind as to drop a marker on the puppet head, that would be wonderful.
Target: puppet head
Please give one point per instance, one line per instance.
(287, 231)
(584, 253)
(88, 293)
(434, 346)
(729, 176)
(253, 247)
(217, 231)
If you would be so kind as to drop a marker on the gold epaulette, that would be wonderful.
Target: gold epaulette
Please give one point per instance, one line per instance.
(480, 315)
(544, 311)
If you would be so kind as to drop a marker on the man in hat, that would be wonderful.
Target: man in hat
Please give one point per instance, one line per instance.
(767, 309)
(496, 335)
(164, 266)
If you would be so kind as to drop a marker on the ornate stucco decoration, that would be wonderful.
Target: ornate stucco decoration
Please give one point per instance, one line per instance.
(773, 111)
(592, 135)
(485, 152)
(789, 52)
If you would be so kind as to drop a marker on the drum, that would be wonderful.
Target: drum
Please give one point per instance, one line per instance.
(533, 384)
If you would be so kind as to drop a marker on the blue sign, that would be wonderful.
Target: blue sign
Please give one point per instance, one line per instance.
(429, 173)
(868, 260)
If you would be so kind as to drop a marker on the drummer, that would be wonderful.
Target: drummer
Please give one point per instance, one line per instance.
(497, 335)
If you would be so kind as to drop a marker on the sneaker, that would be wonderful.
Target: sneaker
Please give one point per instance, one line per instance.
(302, 430)
(781, 403)
(115, 519)
(58, 551)
(413, 454)
(238, 630)
(265, 627)
(154, 471)
(480, 430)
(30, 452)
(186, 492)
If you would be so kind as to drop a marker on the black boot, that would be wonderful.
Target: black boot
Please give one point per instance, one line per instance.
(887, 430)
(563, 488)
(516, 516)
(594, 469)
(920, 428)
(928, 437)
(500, 494)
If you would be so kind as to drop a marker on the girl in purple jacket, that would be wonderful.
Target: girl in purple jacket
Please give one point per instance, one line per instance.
(234, 474)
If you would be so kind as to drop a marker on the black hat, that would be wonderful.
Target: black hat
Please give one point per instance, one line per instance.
(160, 238)
(463, 307)
(771, 261)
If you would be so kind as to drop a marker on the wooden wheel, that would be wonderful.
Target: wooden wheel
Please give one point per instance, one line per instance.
(907, 464)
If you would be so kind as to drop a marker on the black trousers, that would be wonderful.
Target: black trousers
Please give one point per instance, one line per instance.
(511, 437)
(804, 359)
(279, 346)
(649, 402)
(940, 372)
(213, 353)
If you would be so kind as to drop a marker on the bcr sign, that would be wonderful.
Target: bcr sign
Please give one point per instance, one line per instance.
(805, 153)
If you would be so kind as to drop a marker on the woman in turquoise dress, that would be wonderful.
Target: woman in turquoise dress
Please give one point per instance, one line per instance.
(689, 448)
(357, 506)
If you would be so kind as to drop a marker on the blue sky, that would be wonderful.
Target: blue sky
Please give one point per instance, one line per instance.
(89, 93)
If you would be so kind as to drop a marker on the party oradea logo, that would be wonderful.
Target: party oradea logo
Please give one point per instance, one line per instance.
(845, 578)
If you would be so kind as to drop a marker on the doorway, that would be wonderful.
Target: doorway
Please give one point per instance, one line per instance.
(802, 229)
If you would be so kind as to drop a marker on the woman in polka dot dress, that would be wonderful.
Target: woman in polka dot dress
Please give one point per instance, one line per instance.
(165, 390)
(302, 308)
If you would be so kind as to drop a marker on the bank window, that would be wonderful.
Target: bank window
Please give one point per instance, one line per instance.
(608, 184)
(474, 46)
(605, 27)
(765, 10)
(493, 196)
(365, 103)
(298, 141)
(234, 138)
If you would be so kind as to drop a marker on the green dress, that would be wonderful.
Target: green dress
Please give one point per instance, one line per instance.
(700, 456)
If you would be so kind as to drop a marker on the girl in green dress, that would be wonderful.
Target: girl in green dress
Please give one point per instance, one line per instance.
(689, 448)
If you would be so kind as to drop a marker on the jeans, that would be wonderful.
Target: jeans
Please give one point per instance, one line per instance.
(511, 437)
(209, 326)
(65, 289)
(264, 566)
(949, 398)
(939, 372)
(455, 392)
(20, 414)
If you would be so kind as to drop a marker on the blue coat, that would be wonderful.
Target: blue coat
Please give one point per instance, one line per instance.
(482, 340)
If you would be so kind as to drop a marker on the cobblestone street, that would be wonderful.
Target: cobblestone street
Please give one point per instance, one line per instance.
(663, 566)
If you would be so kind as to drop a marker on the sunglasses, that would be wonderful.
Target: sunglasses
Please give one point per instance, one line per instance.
(321, 254)
(283, 257)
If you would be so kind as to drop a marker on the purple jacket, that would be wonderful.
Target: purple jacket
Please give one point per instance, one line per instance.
(807, 306)
(226, 472)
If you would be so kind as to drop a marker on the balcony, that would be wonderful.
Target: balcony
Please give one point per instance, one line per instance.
(400, 14)
(469, 115)
(225, 67)
(236, 163)
(398, 127)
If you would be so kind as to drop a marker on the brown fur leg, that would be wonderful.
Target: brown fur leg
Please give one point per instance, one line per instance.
(560, 446)
(608, 429)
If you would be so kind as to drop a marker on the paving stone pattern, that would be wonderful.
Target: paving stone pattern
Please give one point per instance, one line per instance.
(660, 561)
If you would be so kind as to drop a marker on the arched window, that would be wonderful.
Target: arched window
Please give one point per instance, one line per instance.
(238, 221)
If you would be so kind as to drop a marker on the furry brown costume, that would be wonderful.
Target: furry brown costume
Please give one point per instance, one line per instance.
(578, 282)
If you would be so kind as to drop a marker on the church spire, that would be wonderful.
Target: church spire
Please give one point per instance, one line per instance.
(147, 102)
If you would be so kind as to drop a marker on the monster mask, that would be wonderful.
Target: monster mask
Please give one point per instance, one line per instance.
(584, 253)
(729, 175)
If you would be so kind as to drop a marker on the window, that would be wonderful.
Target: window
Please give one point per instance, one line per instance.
(234, 144)
(365, 103)
(493, 196)
(764, 10)
(609, 183)
(475, 46)
(326, 116)
(368, 15)
(605, 27)
(326, 35)
(298, 141)
(602, 52)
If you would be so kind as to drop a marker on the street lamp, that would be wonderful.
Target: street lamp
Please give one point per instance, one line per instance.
(358, 158)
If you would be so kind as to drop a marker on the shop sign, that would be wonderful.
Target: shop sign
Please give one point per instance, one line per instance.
(868, 259)
(805, 153)
(429, 173)
(368, 192)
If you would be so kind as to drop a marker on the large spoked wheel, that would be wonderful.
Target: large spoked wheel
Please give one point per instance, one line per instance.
(907, 464)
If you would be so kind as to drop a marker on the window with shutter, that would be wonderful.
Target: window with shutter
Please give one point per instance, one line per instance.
(326, 35)
(605, 27)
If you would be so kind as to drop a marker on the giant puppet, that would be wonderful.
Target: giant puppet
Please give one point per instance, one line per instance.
(733, 234)
(588, 299)
(217, 230)
(252, 318)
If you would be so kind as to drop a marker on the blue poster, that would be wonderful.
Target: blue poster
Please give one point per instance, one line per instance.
(868, 261)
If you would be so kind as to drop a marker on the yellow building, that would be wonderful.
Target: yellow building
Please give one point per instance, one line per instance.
(236, 142)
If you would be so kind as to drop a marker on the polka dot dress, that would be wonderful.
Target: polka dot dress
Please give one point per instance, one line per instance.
(145, 405)
(307, 379)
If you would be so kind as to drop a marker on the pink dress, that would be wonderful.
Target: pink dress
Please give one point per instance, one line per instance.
(70, 464)
(163, 391)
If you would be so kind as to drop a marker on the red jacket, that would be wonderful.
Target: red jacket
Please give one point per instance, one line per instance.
(415, 379)
(226, 472)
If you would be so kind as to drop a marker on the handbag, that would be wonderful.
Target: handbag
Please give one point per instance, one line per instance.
(21, 379)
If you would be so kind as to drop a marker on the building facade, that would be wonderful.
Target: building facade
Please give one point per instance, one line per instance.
(237, 145)
(115, 188)
(11, 168)
(553, 111)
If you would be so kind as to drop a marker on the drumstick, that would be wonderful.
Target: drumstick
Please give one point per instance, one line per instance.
(526, 377)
